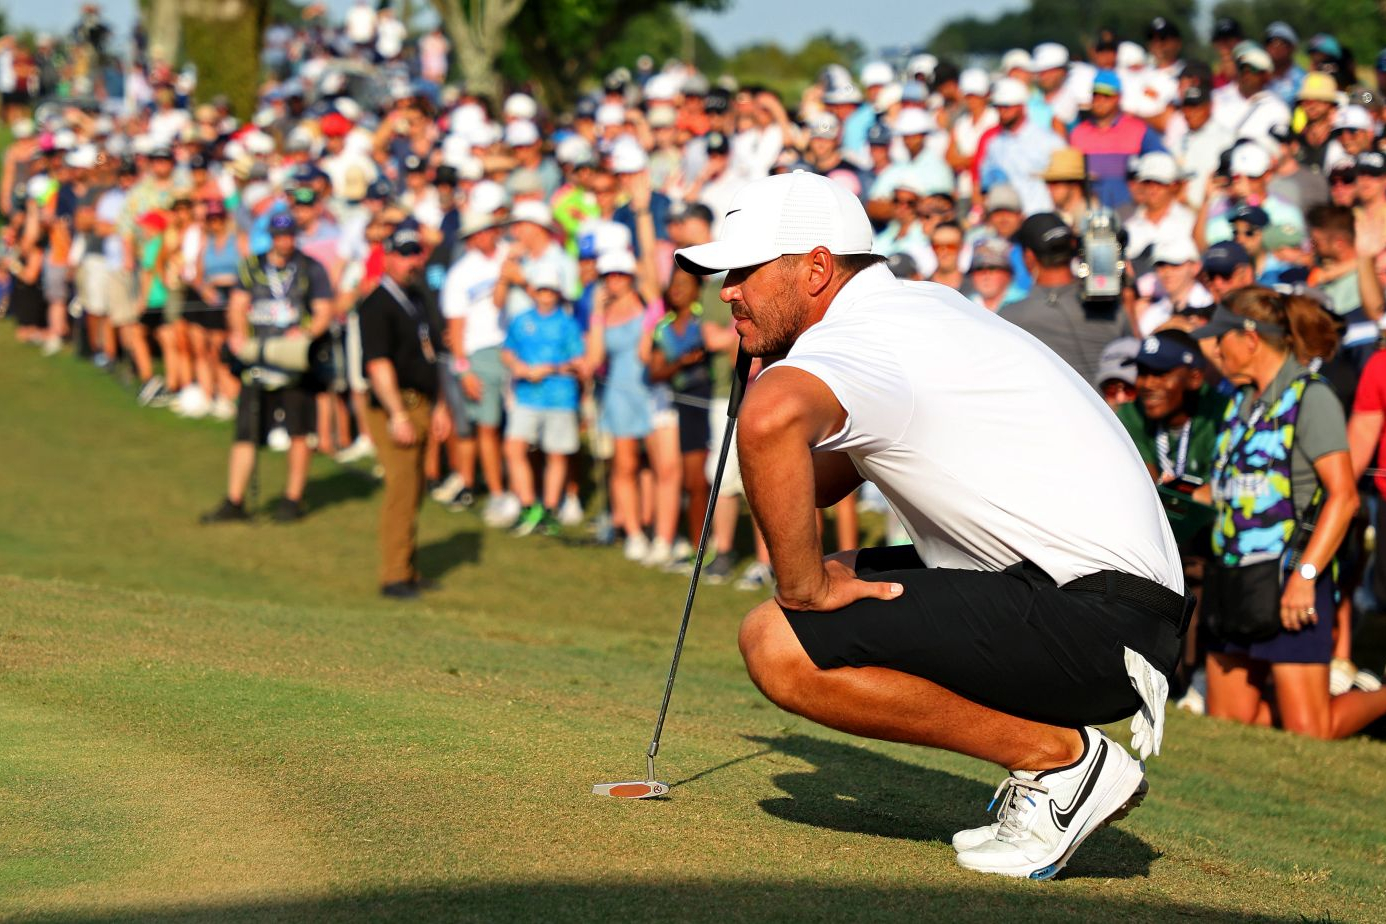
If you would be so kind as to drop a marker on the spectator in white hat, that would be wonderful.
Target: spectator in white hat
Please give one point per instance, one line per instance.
(928, 171)
(1353, 132)
(1161, 218)
(1250, 167)
(904, 233)
(824, 154)
(1200, 148)
(522, 137)
(974, 118)
(632, 169)
(1247, 108)
(1017, 65)
(519, 107)
(877, 77)
(1177, 291)
(1054, 104)
(1018, 150)
(534, 237)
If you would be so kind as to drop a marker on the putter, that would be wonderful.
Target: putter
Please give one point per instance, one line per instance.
(649, 787)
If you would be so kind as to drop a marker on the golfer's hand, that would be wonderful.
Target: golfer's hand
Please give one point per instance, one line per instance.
(839, 586)
(1297, 604)
(402, 430)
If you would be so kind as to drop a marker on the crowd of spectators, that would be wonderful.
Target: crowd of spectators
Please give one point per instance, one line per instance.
(580, 363)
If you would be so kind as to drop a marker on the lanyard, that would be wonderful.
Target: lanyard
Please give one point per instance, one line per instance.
(280, 280)
(425, 341)
(1176, 466)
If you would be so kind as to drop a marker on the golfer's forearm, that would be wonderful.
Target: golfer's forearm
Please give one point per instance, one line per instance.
(778, 474)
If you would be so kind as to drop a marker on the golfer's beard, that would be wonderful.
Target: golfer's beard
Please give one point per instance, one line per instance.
(778, 322)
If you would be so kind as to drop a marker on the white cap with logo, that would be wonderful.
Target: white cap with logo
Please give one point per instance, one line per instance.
(786, 214)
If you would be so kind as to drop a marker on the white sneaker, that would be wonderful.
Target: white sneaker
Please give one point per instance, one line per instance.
(1192, 701)
(681, 549)
(660, 554)
(191, 402)
(52, 346)
(278, 440)
(361, 448)
(224, 408)
(570, 512)
(502, 511)
(637, 547)
(1367, 682)
(1341, 676)
(445, 491)
(1044, 817)
(757, 576)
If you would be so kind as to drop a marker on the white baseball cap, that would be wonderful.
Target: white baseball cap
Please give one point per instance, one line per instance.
(1015, 58)
(535, 212)
(1250, 160)
(913, 121)
(786, 214)
(544, 275)
(486, 197)
(824, 125)
(573, 150)
(1130, 55)
(924, 64)
(661, 88)
(1157, 167)
(974, 82)
(1047, 56)
(521, 134)
(1009, 92)
(611, 114)
(628, 157)
(1256, 57)
(876, 74)
(1176, 251)
(618, 261)
(1352, 118)
(842, 95)
(520, 106)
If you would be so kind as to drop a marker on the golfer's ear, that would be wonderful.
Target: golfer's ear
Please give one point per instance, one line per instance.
(820, 265)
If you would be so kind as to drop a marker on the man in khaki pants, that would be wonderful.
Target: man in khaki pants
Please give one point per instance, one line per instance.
(400, 342)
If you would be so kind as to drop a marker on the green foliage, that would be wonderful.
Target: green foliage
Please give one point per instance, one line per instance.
(559, 44)
(1359, 25)
(1070, 23)
(789, 72)
(227, 55)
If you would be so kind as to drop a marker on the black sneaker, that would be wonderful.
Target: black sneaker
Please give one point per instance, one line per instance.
(226, 513)
(719, 570)
(400, 590)
(462, 500)
(287, 511)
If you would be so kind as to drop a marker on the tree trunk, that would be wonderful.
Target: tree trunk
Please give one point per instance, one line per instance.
(165, 21)
(478, 37)
(222, 39)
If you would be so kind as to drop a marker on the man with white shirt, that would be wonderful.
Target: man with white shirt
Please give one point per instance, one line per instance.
(1199, 150)
(1030, 598)
(1261, 110)
(474, 310)
(1160, 217)
(1018, 149)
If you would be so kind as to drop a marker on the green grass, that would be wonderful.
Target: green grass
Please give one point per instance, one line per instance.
(227, 724)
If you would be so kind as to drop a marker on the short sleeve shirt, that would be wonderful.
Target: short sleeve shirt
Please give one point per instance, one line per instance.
(281, 297)
(1371, 399)
(539, 339)
(396, 332)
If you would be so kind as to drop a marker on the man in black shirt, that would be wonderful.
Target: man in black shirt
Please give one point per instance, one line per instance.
(282, 298)
(400, 342)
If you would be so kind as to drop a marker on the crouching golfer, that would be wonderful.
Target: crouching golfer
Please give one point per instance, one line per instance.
(1042, 594)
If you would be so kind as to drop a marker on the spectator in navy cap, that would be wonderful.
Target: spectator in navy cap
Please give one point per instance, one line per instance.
(1226, 268)
(1175, 418)
(1286, 75)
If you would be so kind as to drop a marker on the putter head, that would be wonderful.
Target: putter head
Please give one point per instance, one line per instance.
(634, 789)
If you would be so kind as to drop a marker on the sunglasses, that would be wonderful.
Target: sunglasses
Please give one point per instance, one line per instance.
(945, 245)
(1342, 179)
(907, 200)
(1245, 232)
(1220, 275)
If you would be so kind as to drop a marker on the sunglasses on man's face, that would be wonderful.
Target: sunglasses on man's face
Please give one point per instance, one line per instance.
(1245, 232)
(946, 245)
(1342, 179)
(911, 201)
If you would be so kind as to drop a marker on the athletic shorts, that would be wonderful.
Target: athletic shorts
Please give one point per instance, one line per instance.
(121, 304)
(93, 275)
(553, 431)
(488, 367)
(451, 393)
(294, 409)
(1011, 640)
(695, 429)
(731, 475)
(54, 279)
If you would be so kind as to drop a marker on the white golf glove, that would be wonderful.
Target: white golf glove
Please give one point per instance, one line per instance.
(1147, 725)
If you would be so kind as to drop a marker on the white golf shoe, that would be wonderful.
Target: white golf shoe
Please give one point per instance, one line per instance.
(1043, 817)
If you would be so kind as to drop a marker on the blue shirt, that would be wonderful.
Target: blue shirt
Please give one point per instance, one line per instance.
(659, 211)
(855, 128)
(539, 339)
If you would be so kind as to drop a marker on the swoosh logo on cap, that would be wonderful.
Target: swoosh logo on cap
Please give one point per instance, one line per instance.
(1063, 818)
(731, 213)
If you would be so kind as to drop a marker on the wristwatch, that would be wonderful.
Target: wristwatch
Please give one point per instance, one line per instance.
(1308, 571)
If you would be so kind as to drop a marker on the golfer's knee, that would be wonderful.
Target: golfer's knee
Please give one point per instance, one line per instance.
(774, 658)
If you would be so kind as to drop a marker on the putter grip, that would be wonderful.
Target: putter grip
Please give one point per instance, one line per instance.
(743, 371)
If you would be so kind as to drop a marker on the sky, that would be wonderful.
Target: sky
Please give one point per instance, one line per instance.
(875, 23)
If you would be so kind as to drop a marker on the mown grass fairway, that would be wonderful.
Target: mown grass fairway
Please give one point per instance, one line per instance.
(226, 724)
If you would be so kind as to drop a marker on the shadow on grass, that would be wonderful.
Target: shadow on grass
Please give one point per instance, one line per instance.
(862, 792)
(343, 485)
(678, 900)
(440, 556)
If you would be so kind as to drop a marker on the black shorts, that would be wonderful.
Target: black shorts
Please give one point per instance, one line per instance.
(294, 409)
(1009, 640)
(695, 430)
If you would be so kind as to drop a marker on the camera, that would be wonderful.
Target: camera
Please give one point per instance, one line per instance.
(1101, 257)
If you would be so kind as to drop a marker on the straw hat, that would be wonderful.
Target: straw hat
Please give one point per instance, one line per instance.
(1065, 166)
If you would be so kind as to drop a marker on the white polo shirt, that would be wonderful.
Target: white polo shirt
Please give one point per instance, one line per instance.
(469, 291)
(989, 447)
